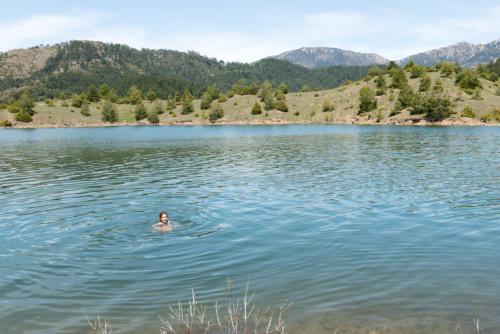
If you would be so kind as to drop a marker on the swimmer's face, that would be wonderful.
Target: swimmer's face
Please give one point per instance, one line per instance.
(164, 218)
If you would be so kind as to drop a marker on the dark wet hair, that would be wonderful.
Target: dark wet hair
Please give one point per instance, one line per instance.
(161, 213)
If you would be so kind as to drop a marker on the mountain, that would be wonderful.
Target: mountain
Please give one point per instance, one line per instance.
(74, 66)
(468, 55)
(322, 57)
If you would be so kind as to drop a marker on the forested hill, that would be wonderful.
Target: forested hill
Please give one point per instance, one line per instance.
(74, 66)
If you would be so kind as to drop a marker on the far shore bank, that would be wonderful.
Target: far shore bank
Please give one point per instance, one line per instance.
(462, 121)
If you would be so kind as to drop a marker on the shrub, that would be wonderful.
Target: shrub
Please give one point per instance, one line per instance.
(393, 113)
(380, 116)
(438, 86)
(93, 94)
(216, 112)
(77, 100)
(256, 109)
(305, 88)
(468, 79)
(327, 106)
(437, 108)
(297, 113)
(26, 103)
(50, 102)
(493, 77)
(158, 108)
(447, 69)
(13, 108)
(425, 83)
(153, 117)
(109, 112)
(468, 112)
(492, 115)
(230, 94)
(282, 106)
(6, 123)
(23, 116)
(367, 100)
(151, 95)
(85, 110)
(64, 104)
(205, 101)
(380, 81)
(141, 112)
(283, 88)
(187, 107)
(134, 95)
(417, 71)
(399, 79)
(405, 98)
(222, 98)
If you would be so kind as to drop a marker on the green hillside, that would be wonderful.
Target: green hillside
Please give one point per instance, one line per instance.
(75, 65)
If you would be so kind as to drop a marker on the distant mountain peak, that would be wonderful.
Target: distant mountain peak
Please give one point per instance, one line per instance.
(467, 54)
(314, 57)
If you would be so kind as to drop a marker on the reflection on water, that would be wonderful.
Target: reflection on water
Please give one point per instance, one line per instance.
(361, 227)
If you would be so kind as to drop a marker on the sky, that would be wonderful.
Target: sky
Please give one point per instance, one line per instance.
(246, 31)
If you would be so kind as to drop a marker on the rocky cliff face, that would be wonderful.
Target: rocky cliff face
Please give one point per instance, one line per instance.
(22, 63)
(469, 55)
(322, 57)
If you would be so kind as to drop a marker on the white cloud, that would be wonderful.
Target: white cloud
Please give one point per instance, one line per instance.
(47, 29)
(389, 33)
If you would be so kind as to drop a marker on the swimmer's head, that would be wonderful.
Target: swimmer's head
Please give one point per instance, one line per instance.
(163, 217)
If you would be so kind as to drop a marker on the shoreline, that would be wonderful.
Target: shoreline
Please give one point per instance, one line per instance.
(462, 122)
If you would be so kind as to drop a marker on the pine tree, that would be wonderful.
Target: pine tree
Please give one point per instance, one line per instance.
(92, 94)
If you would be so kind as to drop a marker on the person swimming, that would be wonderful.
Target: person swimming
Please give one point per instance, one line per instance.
(164, 224)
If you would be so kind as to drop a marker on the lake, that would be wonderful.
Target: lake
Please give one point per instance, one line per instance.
(392, 228)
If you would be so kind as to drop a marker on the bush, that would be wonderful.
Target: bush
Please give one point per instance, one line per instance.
(222, 98)
(13, 108)
(256, 109)
(50, 102)
(380, 116)
(305, 88)
(437, 108)
(283, 88)
(77, 100)
(468, 112)
(282, 106)
(26, 103)
(405, 98)
(380, 91)
(6, 123)
(468, 79)
(23, 116)
(109, 112)
(438, 86)
(215, 113)
(425, 83)
(327, 106)
(3, 106)
(85, 110)
(492, 115)
(297, 113)
(158, 108)
(393, 113)
(205, 101)
(399, 79)
(187, 107)
(64, 104)
(367, 101)
(153, 117)
(141, 112)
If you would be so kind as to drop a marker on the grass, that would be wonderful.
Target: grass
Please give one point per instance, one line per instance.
(230, 317)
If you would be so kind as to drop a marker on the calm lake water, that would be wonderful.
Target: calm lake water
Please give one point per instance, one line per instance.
(360, 226)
